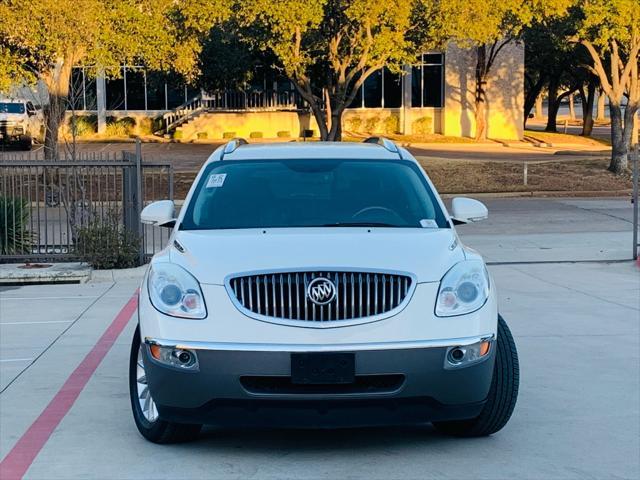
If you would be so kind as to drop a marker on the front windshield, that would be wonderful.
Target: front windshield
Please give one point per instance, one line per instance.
(312, 193)
(6, 107)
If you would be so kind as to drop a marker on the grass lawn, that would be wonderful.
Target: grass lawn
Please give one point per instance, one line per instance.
(588, 175)
(459, 176)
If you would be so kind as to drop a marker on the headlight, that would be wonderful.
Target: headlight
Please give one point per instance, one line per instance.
(175, 292)
(463, 289)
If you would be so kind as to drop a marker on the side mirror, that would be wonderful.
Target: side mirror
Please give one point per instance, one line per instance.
(160, 213)
(467, 210)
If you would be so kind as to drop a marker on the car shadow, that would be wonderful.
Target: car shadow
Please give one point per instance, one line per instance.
(277, 441)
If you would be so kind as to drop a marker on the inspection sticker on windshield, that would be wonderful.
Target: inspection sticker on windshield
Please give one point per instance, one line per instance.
(428, 223)
(216, 180)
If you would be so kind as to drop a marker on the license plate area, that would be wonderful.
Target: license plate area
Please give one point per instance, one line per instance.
(323, 368)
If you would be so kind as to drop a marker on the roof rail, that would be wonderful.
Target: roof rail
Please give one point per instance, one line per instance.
(232, 145)
(384, 142)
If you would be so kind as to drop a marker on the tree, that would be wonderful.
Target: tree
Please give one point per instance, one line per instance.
(42, 40)
(610, 31)
(328, 48)
(487, 28)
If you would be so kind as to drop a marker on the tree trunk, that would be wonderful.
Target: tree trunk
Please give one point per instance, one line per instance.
(572, 108)
(57, 82)
(538, 112)
(481, 93)
(552, 108)
(531, 99)
(619, 150)
(600, 109)
(587, 110)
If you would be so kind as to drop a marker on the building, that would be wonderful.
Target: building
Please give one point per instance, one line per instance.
(435, 95)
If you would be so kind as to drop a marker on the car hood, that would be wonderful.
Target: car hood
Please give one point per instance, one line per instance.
(211, 256)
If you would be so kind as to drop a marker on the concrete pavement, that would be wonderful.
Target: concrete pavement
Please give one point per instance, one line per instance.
(576, 326)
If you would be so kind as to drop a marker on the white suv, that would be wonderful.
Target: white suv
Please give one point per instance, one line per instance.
(318, 285)
(20, 122)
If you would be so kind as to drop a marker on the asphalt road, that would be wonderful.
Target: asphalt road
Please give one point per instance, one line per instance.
(576, 326)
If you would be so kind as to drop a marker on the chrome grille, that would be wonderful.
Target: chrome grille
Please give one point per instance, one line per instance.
(283, 295)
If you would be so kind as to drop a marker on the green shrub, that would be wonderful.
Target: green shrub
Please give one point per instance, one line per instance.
(83, 125)
(177, 134)
(121, 127)
(105, 244)
(391, 124)
(16, 239)
(228, 134)
(201, 135)
(284, 134)
(422, 126)
(355, 124)
(371, 124)
(157, 123)
(255, 135)
(145, 126)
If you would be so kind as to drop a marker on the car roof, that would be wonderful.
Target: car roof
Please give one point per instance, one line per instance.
(310, 150)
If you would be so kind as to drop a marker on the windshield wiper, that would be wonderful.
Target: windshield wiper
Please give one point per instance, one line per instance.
(360, 224)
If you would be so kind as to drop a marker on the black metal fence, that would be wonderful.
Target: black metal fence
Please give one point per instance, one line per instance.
(46, 206)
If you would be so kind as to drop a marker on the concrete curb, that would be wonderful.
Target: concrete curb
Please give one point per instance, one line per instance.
(115, 275)
(46, 273)
(72, 272)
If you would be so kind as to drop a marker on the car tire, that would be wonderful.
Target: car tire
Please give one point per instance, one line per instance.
(155, 430)
(503, 392)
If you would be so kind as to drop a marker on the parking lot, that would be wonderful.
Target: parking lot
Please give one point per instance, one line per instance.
(566, 288)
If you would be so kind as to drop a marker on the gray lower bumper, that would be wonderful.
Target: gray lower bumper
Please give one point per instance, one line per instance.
(407, 386)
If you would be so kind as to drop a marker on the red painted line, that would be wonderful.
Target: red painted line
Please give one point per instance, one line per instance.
(24, 452)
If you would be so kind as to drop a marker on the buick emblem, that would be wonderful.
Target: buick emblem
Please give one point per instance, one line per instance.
(321, 291)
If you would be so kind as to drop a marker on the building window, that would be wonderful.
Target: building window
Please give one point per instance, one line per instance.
(382, 89)
(427, 81)
(134, 89)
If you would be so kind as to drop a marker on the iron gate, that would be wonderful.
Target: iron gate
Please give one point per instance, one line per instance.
(44, 204)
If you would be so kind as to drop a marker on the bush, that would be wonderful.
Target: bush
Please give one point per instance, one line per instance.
(104, 245)
(122, 127)
(391, 124)
(177, 134)
(228, 134)
(255, 135)
(355, 124)
(284, 134)
(16, 239)
(371, 124)
(422, 126)
(201, 135)
(83, 125)
(145, 126)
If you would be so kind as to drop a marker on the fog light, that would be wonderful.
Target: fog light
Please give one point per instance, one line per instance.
(175, 357)
(461, 356)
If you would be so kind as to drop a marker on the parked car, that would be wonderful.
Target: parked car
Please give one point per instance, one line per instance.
(318, 285)
(20, 122)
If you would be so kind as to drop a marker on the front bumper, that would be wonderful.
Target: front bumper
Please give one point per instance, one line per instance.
(252, 388)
